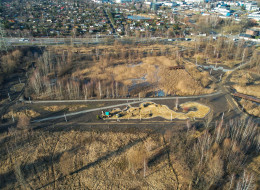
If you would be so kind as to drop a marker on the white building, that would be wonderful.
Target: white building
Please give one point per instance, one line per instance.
(123, 1)
(222, 11)
(194, 1)
(255, 16)
(251, 6)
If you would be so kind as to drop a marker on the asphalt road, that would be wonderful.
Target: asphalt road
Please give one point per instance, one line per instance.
(134, 101)
(123, 99)
(84, 111)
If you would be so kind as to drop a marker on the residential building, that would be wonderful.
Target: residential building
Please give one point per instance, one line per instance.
(255, 16)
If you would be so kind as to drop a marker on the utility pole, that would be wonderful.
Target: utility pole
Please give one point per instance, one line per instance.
(65, 117)
(9, 97)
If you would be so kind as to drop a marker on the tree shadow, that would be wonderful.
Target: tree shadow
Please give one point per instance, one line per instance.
(99, 160)
(42, 163)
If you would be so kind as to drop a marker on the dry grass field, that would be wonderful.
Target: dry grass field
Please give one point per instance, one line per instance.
(62, 107)
(155, 71)
(252, 90)
(15, 114)
(247, 81)
(250, 107)
(17, 87)
(96, 159)
(78, 159)
(116, 71)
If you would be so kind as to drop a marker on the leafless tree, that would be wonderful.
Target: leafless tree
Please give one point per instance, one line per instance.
(246, 182)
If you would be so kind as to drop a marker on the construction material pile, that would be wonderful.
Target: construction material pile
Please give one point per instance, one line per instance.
(148, 110)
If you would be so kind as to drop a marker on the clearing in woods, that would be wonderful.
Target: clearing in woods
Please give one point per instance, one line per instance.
(148, 110)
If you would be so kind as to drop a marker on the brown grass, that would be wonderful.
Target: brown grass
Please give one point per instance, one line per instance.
(242, 78)
(28, 113)
(17, 87)
(85, 159)
(201, 59)
(255, 166)
(250, 107)
(252, 90)
(156, 71)
(62, 107)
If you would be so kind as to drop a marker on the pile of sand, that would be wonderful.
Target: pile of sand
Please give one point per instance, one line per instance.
(150, 110)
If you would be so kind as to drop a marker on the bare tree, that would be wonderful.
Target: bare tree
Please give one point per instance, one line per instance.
(246, 182)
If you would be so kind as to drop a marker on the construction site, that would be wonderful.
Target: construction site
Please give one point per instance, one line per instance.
(148, 110)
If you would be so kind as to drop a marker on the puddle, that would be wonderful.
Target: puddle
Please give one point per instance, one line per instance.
(214, 68)
(138, 85)
(160, 93)
(134, 65)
